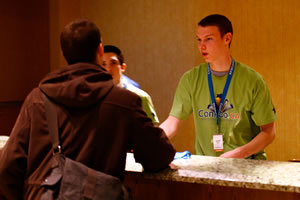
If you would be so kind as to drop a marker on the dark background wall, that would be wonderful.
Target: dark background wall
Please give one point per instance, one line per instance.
(24, 50)
(24, 54)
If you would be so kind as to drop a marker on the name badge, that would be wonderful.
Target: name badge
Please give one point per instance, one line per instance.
(218, 143)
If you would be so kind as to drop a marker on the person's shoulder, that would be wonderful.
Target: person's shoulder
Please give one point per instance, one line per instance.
(32, 99)
(198, 68)
(34, 96)
(121, 96)
(196, 71)
(244, 69)
(141, 93)
(123, 92)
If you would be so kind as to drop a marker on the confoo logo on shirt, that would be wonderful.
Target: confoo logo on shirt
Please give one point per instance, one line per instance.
(210, 113)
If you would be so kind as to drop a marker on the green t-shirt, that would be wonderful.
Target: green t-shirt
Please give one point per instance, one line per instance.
(146, 102)
(248, 106)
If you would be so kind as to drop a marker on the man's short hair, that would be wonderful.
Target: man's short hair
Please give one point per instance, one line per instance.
(79, 41)
(222, 22)
(115, 50)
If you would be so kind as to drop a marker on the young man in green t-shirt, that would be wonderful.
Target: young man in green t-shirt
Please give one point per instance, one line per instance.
(231, 104)
(113, 62)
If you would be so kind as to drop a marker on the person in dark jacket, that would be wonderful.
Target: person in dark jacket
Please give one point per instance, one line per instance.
(98, 122)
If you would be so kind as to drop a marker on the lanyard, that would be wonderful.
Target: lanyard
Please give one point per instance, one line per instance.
(225, 90)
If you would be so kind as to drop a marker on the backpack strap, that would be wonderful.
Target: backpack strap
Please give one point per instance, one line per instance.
(90, 186)
(52, 124)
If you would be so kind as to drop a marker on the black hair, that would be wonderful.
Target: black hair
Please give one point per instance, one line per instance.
(115, 50)
(79, 41)
(223, 23)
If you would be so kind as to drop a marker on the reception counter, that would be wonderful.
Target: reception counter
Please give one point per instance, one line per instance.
(212, 178)
(204, 177)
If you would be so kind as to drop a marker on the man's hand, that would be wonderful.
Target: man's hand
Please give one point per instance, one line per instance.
(263, 139)
(173, 166)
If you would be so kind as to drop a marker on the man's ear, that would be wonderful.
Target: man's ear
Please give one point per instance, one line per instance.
(100, 50)
(123, 67)
(228, 37)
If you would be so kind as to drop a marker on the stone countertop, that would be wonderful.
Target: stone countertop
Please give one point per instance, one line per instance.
(244, 173)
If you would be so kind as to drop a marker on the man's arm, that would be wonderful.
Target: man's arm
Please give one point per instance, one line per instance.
(151, 146)
(170, 126)
(262, 140)
(13, 156)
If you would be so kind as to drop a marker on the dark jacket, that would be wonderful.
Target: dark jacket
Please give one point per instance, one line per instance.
(98, 124)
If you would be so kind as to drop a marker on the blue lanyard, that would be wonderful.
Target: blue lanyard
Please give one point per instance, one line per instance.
(225, 90)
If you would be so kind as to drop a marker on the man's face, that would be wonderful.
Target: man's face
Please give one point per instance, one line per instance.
(210, 43)
(112, 64)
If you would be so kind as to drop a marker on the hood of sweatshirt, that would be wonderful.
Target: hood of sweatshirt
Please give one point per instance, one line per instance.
(77, 85)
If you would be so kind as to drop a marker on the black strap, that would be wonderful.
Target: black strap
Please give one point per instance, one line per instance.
(52, 123)
(90, 184)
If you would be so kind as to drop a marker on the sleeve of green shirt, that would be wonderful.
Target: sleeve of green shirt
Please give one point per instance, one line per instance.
(182, 104)
(146, 103)
(263, 111)
(149, 108)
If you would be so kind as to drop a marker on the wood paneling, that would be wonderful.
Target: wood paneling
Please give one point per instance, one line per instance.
(8, 114)
(61, 13)
(24, 51)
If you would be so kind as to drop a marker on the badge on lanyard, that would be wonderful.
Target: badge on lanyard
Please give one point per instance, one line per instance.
(218, 142)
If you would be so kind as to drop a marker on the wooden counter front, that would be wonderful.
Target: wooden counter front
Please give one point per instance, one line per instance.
(210, 178)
